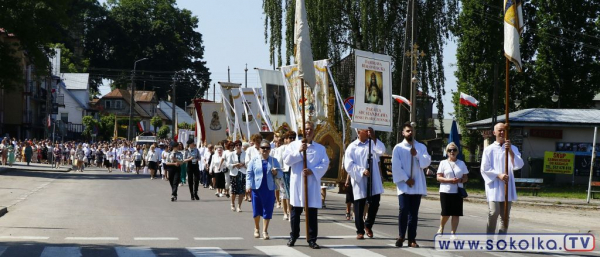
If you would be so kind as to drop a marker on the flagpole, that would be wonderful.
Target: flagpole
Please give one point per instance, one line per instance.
(506, 136)
(304, 159)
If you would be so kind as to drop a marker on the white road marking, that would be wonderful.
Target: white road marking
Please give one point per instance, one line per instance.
(93, 238)
(134, 252)
(217, 238)
(155, 238)
(506, 254)
(547, 229)
(352, 251)
(2, 249)
(280, 251)
(207, 251)
(51, 251)
(24, 237)
(428, 252)
(319, 237)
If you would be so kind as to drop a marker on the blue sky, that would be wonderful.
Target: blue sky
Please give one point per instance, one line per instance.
(233, 34)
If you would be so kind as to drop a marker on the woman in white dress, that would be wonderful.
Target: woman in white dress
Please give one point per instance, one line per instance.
(451, 174)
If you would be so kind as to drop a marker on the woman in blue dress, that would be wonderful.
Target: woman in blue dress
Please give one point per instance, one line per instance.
(260, 181)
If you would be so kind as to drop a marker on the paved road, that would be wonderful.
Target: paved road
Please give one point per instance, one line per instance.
(99, 214)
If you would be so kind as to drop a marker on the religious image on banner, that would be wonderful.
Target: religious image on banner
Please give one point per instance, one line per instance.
(246, 106)
(211, 129)
(373, 87)
(227, 101)
(276, 99)
(215, 123)
(373, 82)
(315, 101)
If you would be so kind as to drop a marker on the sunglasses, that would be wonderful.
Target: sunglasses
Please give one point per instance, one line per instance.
(291, 137)
(452, 150)
(266, 148)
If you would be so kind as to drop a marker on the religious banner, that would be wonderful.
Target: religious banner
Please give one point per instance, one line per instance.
(246, 106)
(315, 102)
(211, 122)
(275, 97)
(372, 101)
(559, 163)
(227, 101)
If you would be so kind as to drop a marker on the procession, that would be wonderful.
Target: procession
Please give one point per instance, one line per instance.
(299, 128)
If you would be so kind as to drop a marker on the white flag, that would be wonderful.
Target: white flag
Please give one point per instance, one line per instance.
(303, 53)
(513, 26)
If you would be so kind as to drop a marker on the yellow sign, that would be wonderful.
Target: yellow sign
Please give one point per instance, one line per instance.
(559, 163)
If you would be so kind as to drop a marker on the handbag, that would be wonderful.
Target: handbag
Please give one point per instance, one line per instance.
(461, 190)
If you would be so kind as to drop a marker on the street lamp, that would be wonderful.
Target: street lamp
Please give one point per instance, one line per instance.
(554, 97)
(130, 127)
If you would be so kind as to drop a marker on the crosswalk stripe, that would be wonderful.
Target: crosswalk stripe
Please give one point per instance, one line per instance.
(217, 238)
(134, 252)
(280, 251)
(155, 238)
(93, 238)
(428, 252)
(207, 251)
(51, 251)
(24, 237)
(2, 249)
(352, 251)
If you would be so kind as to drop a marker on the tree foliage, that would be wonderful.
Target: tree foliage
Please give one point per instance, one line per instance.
(559, 51)
(155, 29)
(35, 24)
(156, 122)
(89, 123)
(338, 27)
(164, 131)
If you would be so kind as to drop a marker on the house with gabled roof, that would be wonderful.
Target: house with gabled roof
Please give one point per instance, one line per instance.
(117, 102)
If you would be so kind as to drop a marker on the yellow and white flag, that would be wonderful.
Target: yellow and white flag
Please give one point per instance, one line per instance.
(513, 26)
(303, 51)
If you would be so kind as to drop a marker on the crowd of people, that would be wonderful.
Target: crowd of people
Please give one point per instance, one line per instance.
(271, 175)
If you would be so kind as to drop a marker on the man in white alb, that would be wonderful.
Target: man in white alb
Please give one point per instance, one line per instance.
(492, 171)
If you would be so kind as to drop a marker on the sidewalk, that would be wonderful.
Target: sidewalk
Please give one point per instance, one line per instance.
(522, 200)
(11, 198)
(34, 167)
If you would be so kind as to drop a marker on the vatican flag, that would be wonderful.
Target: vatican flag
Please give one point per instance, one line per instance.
(513, 26)
(303, 50)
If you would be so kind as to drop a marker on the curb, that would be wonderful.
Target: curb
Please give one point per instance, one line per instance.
(3, 210)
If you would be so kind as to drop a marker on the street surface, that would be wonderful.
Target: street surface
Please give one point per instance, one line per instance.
(99, 214)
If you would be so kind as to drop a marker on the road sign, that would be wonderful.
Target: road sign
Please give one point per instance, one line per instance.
(349, 105)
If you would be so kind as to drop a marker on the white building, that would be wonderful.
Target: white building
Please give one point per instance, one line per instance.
(75, 89)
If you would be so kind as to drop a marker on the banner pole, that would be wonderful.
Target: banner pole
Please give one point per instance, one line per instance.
(589, 193)
(506, 136)
(305, 178)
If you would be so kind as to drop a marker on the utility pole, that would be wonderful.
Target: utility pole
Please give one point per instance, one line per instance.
(214, 90)
(228, 75)
(246, 70)
(130, 129)
(173, 119)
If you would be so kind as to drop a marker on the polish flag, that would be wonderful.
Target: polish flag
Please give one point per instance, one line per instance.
(400, 99)
(468, 100)
(141, 126)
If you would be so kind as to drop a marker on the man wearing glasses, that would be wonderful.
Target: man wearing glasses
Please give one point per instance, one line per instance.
(317, 163)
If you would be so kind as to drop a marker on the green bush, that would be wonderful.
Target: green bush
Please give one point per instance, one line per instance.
(163, 132)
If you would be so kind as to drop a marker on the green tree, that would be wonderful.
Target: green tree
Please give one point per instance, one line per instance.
(155, 29)
(156, 122)
(379, 26)
(35, 24)
(107, 126)
(164, 131)
(89, 123)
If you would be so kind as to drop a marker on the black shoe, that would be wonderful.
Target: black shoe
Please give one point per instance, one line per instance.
(399, 242)
(291, 242)
(227, 195)
(313, 245)
(197, 197)
(173, 198)
(193, 198)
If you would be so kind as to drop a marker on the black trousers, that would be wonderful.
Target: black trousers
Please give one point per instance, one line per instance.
(313, 229)
(174, 178)
(359, 209)
(193, 174)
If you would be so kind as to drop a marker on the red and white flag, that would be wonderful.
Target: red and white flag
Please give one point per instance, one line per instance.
(401, 99)
(49, 121)
(468, 100)
(141, 126)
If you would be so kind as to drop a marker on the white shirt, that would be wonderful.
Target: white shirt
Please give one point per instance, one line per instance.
(447, 167)
(356, 162)
(233, 159)
(401, 164)
(251, 153)
(492, 165)
(152, 156)
(317, 161)
(216, 166)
